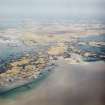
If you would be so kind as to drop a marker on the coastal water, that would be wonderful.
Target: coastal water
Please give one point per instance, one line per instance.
(71, 84)
(10, 52)
(99, 51)
(7, 53)
(12, 94)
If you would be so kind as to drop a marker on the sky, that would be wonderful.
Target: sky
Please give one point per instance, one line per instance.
(52, 8)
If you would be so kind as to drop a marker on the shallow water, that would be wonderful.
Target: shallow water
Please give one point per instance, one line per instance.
(93, 38)
(99, 51)
(64, 84)
(67, 84)
(11, 94)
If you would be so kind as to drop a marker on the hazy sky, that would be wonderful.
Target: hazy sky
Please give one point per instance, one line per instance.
(52, 7)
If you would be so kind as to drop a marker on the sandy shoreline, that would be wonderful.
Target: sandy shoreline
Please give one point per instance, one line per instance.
(73, 84)
(68, 46)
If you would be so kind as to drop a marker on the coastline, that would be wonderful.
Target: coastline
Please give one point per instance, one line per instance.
(66, 80)
(79, 62)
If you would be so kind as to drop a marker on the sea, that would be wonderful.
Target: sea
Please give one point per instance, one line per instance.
(7, 53)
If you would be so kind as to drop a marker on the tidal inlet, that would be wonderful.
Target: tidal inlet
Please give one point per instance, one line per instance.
(52, 52)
